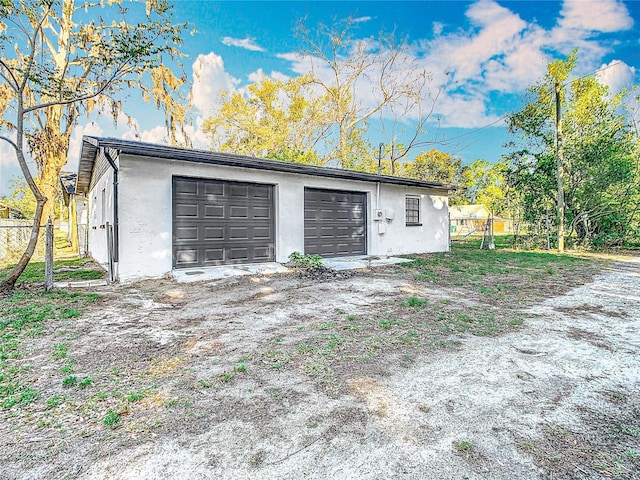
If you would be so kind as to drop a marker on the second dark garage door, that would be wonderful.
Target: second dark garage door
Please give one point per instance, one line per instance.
(334, 223)
(218, 222)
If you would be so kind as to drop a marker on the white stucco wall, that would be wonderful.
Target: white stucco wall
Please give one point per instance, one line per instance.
(99, 214)
(145, 200)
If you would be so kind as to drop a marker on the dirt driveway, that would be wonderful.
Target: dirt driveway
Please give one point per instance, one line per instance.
(370, 375)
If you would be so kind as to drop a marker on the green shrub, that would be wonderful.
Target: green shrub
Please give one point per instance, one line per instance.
(309, 262)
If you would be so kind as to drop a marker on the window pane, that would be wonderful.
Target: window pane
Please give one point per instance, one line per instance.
(412, 210)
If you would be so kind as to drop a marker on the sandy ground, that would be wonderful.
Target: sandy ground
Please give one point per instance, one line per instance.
(538, 402)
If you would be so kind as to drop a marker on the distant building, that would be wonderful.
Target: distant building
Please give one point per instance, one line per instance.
(468, 219)
(9, 212)
(77, 212)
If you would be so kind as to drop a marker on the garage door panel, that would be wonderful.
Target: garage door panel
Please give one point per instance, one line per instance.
(334, 222)
(262, 233)
(213, 211)
(187, 233)
(185, 187)
(239, 233)
(310, 214)
(213, 255)
(220, 222)
(187, 257)
(238, 253)
(343, 214)
(261, 212)
(236, 211)
(213, 233)
(262, 253)
(238, 190)
(260, 191)
(213, 189)
(184, 210)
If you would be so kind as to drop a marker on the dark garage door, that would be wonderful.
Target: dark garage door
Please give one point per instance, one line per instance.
(218, 222)
(334, 223)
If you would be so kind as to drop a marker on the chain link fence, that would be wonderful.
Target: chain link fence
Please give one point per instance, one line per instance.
(14, 237)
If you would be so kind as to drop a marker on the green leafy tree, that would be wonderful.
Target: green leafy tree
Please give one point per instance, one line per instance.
(275, 119)
(21, 198)
(433, 166)
(485, 183)
(55, 66)
(591, 168)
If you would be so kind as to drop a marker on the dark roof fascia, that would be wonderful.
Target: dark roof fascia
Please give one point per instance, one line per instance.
(87, 161)
(91, 144)
(68, 182)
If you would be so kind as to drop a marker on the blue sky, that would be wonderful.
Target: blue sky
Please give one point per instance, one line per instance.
(493, 50)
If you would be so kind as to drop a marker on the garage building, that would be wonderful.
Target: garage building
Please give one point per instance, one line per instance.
(155, 208)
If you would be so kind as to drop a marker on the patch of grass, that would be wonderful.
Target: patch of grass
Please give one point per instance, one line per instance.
(273, 392)
(277, 358)
(469, 262)
(63, 270)
(463, 446)
(225, 377)
(70, 381)
(410, 337)
(23, 315)
(240, 367)
(414, 301)
(67, 368)
(427, 274)
(135, 397)
(305, 348)
(326, 326)
(85, 382)
(59, 351)
(111, 419)
(55, 400)
(386, 323)
(13, 394)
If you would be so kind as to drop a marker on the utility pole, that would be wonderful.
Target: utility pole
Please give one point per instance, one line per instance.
(559, 165)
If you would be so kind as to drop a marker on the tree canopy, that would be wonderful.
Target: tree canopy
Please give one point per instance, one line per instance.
(599, 164)
(56, 66)
(325, 116)
(275, 119)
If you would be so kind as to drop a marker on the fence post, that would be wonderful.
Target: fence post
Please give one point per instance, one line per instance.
(48, 257)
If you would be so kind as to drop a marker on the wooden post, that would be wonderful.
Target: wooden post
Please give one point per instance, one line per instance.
(73, 225)
(559, 167)
(48, 257)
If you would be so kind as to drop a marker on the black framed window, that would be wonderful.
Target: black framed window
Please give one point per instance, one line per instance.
(412, 210)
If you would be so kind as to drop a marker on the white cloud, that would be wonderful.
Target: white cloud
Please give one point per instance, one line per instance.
(438, 28)
(7, 152)
(361, 19)
(160, 135)
(157, 134)
(596, 16)
(464, 111)
(90, 128)
(247, 43)
(259, 75)
(9, 167)
(209, 78)
(616, 75)
(197, 136)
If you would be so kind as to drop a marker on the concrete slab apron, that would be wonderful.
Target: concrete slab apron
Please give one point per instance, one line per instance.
(187, 275)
